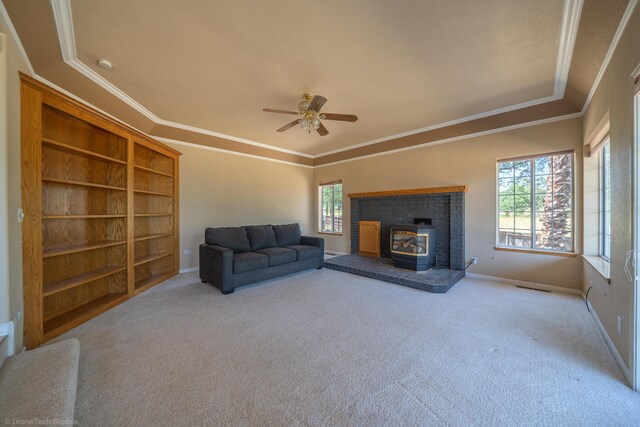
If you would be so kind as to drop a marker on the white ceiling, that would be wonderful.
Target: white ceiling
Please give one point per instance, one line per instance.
(399, 66)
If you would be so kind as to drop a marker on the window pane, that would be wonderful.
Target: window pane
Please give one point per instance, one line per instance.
(523, 185)
(337, 192)
(535, 203)
(523, 221)
(506, 203)
(543, 183)
(522, 168)
(506, 186)
(605, 201)
(505, 170)
(543, 165)
(507, 220)
(331, 208)
(514, 238)
(522, 203)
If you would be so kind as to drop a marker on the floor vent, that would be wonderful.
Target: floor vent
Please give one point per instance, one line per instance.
(533, 289)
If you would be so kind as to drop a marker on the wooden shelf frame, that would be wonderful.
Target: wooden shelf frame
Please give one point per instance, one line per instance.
(152, 236)
(82, 184)
(72, 282)
(149, 170)
(151, 257)
(80, 151)
(65, 250)
(72, 156)
(153, 193)
(80, 314)
(98, 216)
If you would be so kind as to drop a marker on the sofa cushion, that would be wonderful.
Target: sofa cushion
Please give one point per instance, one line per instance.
(306, 251)
(249, 261)
(261, 236)
(279, 256)
(287, 234)
(234, 238)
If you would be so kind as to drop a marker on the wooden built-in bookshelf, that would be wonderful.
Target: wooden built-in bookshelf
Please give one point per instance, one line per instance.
(101, 217)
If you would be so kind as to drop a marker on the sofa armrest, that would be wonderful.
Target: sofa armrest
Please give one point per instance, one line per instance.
(313, 241)
(216, 266)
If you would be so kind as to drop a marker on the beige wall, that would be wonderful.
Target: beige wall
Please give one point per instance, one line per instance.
(615, 94)
(470, 162)
(14, 64)
(219, 189)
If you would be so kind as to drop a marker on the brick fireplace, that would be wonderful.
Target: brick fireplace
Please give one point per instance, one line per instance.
(444, 206)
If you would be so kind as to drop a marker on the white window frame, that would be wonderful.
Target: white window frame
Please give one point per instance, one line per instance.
(532, 248)
(334, 225)
(605, 216)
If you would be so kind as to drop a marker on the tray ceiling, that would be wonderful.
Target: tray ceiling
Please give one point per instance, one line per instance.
(215, 64)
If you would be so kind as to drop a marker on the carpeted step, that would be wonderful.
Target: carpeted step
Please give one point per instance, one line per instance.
(41, 383)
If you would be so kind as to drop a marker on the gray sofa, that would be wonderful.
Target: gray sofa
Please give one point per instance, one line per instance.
(236, 256)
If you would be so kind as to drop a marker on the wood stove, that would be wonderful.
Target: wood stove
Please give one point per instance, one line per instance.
(413, 246)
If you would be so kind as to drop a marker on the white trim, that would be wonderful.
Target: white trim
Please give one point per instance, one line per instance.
(635, 285)
(568, 32)
(458, 138)
(188, 270)
(571, 291)
(612, 48)
(64, 24)
(14, 36)
(7, 330)
(231, 138)
(534, 285)
(445, 124)
(221, 150)
(612, 347)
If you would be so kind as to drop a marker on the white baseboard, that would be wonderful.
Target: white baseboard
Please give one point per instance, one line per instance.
(7, 333)
(623, 368)
(533, 285)
(614, 351)
(188, 270)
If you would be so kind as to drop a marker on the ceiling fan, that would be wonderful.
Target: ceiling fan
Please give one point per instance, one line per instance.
(310, 116)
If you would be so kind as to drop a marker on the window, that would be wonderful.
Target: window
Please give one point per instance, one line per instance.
(605, 201)
(331, 207)
(535, 202)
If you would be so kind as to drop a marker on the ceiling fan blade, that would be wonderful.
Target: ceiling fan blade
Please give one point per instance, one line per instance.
(322, 130)
(289, 125)
(271, 110)
(341, 117)
(317, 102)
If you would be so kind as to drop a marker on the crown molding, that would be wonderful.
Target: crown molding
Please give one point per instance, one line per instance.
(568, 33)
(7, 21)
(230, 137)
(445, 124)
(64, 24)
(222, 150)
(458, 138)
(614, 43)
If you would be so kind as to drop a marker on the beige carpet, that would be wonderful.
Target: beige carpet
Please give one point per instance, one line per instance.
(324, 348)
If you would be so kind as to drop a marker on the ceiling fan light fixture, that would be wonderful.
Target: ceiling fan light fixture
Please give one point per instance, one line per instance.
(303, 106)
(309, 116)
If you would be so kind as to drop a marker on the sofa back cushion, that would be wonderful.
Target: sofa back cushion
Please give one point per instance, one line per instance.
(261, 237)
(287, 234)
(234, 238)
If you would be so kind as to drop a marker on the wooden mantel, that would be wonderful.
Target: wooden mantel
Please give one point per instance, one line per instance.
(433, 190)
